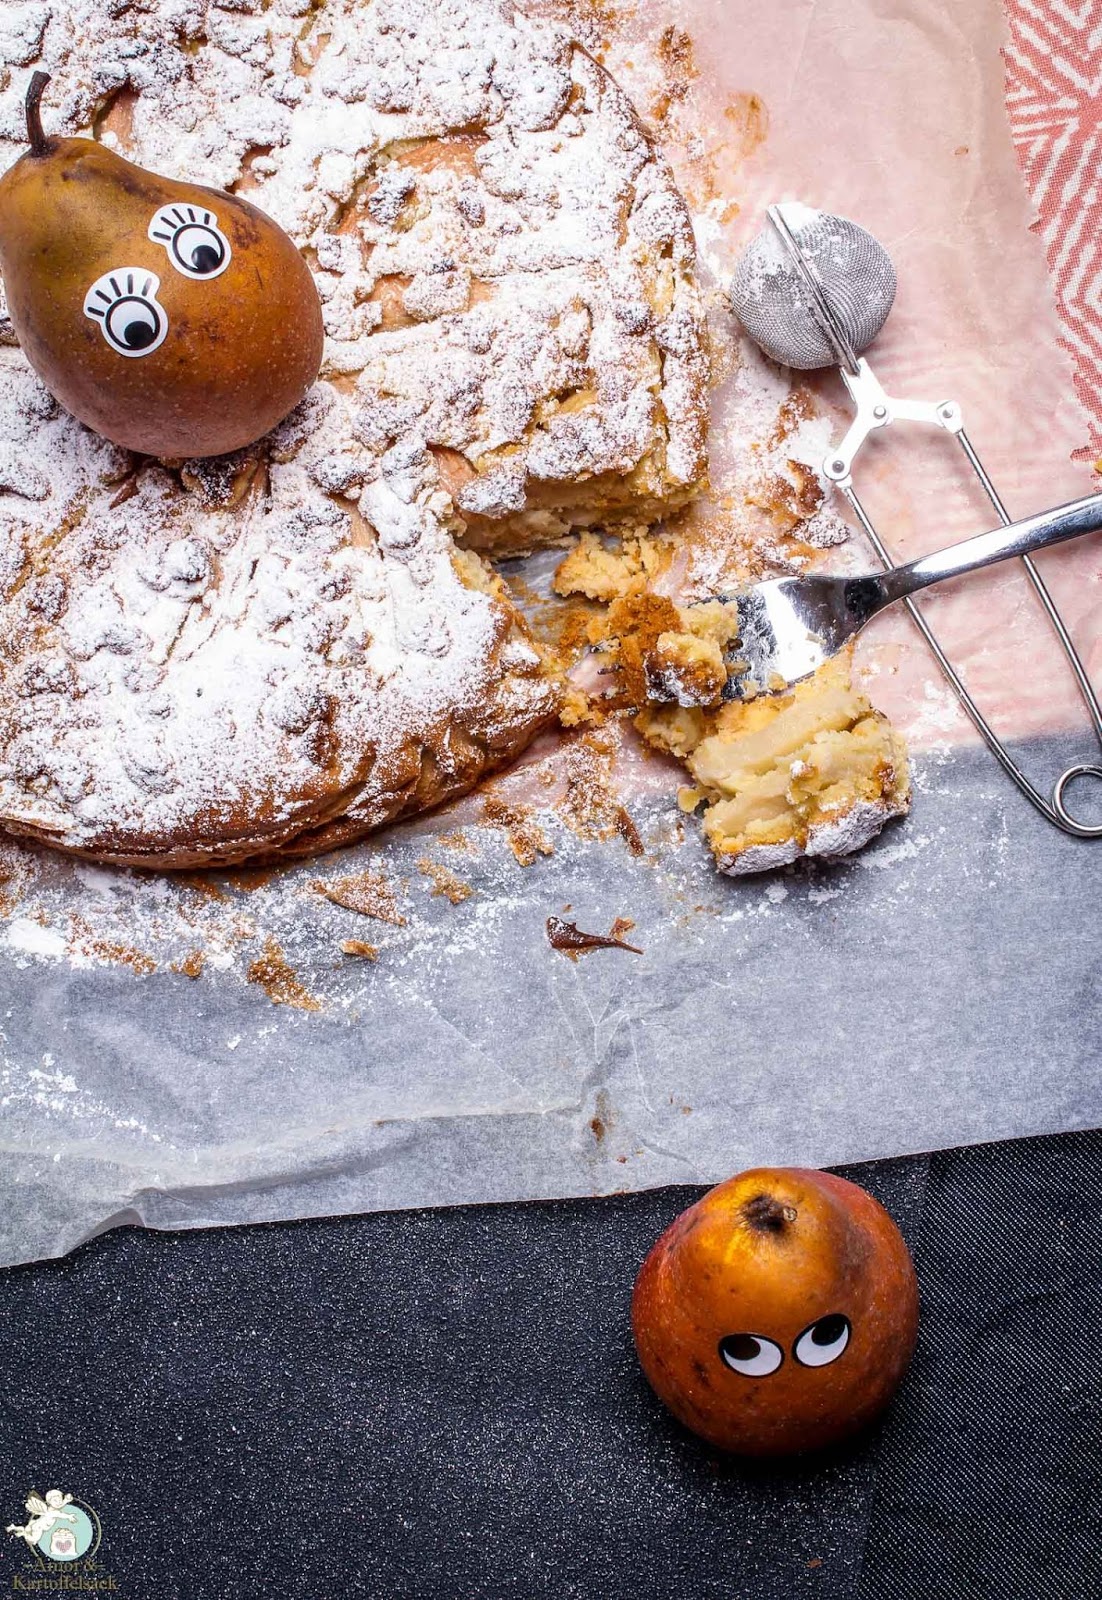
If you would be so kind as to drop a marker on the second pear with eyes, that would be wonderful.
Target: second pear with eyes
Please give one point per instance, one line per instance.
(778, 1313)
(175, 320)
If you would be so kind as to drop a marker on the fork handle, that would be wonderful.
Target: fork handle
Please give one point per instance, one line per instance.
(1015, 539)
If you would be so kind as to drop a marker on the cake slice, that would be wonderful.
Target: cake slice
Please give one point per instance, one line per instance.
(815, 771)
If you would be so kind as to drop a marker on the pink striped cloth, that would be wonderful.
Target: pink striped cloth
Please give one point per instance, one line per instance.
(1054, 97)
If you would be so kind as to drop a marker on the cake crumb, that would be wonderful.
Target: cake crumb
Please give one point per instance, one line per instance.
(602, 1119)
(627, 830)
(248, 877)
(201, 884)
(602, 572)
(357, 947)
(580, 710)
(367, 892)
(661, 651)
(456, 841)
(444, 881)
(108, 951)
(527, 839)
(273, 973)
(589, 806)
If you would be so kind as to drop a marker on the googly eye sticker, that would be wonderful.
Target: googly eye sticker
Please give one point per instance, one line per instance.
(124, 303)
(823, 1342)
(195, 243)
(751, 1354)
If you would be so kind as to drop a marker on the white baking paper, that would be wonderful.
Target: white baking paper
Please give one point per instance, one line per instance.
(939, 988)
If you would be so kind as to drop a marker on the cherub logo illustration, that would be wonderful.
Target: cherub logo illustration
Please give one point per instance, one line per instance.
(44, 1514)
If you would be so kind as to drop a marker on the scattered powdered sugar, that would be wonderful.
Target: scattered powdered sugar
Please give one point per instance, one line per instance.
(828, 840)
(771, 436)
(768, 507)
(890, 855)
(797, 215)
(767, 254)
(819, 894)
(940, 713)
(32, 939)
(452, 888)
(58, 1095)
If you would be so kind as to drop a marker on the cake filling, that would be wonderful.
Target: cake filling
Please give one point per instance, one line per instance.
(814, 770)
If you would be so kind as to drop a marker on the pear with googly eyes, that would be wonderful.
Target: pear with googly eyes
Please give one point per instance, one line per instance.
(175, 320)
(779, 1313)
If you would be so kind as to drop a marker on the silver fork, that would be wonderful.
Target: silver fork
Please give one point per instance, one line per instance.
(787, 627)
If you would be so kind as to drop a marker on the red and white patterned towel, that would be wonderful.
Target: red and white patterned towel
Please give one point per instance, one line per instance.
(1054, 97)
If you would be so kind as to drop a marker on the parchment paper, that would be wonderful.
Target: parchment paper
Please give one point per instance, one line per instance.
(939, 988)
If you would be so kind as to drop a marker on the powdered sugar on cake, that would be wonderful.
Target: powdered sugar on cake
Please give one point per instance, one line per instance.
(232, 653)
(827, 841)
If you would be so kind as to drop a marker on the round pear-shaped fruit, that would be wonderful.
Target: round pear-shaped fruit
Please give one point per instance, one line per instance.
(778, 1313)
(175, 320)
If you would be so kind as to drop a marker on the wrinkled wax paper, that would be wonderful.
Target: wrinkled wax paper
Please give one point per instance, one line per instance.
(938, 988)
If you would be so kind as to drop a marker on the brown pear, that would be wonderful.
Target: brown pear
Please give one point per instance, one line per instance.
(778, 1313)
(173, 319)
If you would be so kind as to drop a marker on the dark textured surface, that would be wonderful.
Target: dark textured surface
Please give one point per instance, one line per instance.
(447, 1404)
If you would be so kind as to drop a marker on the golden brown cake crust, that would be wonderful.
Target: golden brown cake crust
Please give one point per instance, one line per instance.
(280, 651)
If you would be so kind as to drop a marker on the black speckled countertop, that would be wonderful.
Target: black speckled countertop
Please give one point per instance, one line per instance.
(446, 1404)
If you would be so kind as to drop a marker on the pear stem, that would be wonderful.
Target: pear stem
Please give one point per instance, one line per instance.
(765, 1214)
(40, 145)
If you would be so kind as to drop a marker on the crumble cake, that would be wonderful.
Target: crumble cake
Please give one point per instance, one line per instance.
(280, 650)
